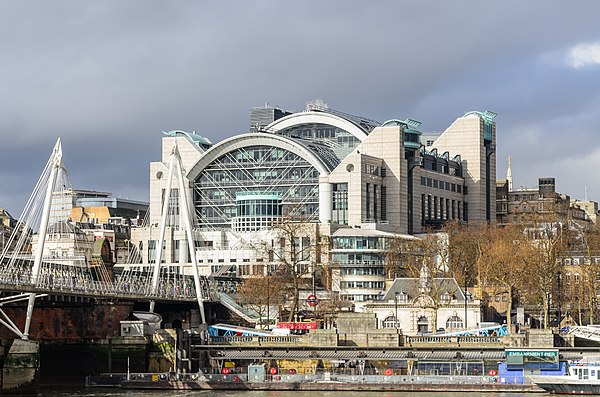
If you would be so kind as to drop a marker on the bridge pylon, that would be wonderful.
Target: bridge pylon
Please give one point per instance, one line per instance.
(28, 239)
(184, 204)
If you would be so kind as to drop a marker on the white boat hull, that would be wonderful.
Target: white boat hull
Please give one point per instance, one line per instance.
(566, 385)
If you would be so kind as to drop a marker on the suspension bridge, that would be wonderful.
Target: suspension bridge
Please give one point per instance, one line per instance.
(47, 254)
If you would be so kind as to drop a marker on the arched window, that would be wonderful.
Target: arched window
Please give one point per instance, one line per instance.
(391, 322)
(454, 322)
(422, 325)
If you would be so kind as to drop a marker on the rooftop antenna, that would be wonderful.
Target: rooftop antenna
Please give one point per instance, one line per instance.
(585, 194)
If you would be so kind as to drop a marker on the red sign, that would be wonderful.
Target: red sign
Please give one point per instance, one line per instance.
(312, 300)
(298, 325)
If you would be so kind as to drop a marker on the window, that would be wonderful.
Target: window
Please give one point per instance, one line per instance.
(454, 322)
(368, 201)
(383, 203)
(176, 251)
(152, 251)
(391, 322)
(422, 325)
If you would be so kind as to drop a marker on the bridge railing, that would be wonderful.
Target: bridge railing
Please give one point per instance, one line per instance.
(86, 285)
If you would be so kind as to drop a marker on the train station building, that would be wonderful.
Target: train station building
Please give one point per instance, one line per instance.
(357, 182)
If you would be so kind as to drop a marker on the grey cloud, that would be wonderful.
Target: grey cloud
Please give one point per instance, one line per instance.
(109, 76)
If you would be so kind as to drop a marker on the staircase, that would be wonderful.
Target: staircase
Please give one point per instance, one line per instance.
(249, 315)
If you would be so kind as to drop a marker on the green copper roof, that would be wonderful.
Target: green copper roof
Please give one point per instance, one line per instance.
(411, 134)
(488, 122)
(410, 123)
(192, 136)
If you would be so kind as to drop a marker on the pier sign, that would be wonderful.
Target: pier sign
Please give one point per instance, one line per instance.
(532, 359)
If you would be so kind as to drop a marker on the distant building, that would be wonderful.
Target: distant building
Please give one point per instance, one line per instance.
(537, 204)
(261, 117)
(102, 210)
(64, 200)
(7, 224)
(577, 285)
(589, 207)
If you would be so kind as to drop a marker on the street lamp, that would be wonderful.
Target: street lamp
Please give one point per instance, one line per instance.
(396, 309)
(268, 297)
(465, 289)
(559, 298)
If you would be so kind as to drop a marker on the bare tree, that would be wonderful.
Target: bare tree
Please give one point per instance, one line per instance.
(292, 251)
(543, 266)
(502, 261)
(402, 258)
(260, 293)
(427, 258)
(462, 252)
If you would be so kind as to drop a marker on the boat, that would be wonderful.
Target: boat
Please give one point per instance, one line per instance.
(582, 377)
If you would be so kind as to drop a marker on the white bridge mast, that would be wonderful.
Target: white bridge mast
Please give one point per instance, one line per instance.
(184, 204)
(56, 163)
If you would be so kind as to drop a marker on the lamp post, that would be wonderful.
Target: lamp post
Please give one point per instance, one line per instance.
(466, 305)
(268, 297)
(465, 289)
(396, 309)
(559, 298)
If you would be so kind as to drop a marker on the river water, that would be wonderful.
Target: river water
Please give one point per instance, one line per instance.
(87, 392)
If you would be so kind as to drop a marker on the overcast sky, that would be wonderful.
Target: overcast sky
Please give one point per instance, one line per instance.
(109, 76)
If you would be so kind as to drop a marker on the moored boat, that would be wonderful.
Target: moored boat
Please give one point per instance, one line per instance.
(583, 377)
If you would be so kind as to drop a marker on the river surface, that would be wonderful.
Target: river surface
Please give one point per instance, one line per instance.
(86, 392)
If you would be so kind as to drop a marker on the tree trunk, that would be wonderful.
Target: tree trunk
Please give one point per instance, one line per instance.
(294, 307)
(546, 303)
(509, 310)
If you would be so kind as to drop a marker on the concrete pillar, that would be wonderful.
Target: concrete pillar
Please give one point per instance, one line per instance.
(325, 200)
(20, 374)
(183, 251)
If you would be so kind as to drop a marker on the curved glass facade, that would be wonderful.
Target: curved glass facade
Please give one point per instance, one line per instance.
(340, 141)
(259, 169)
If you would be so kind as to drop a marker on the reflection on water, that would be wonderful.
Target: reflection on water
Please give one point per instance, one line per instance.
(87, 392)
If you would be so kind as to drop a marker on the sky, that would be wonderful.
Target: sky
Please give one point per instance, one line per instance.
(109, 76)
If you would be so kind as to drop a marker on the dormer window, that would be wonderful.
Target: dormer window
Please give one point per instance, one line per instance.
(446, 297)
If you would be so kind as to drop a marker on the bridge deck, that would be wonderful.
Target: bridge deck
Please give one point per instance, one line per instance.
(98, 290)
